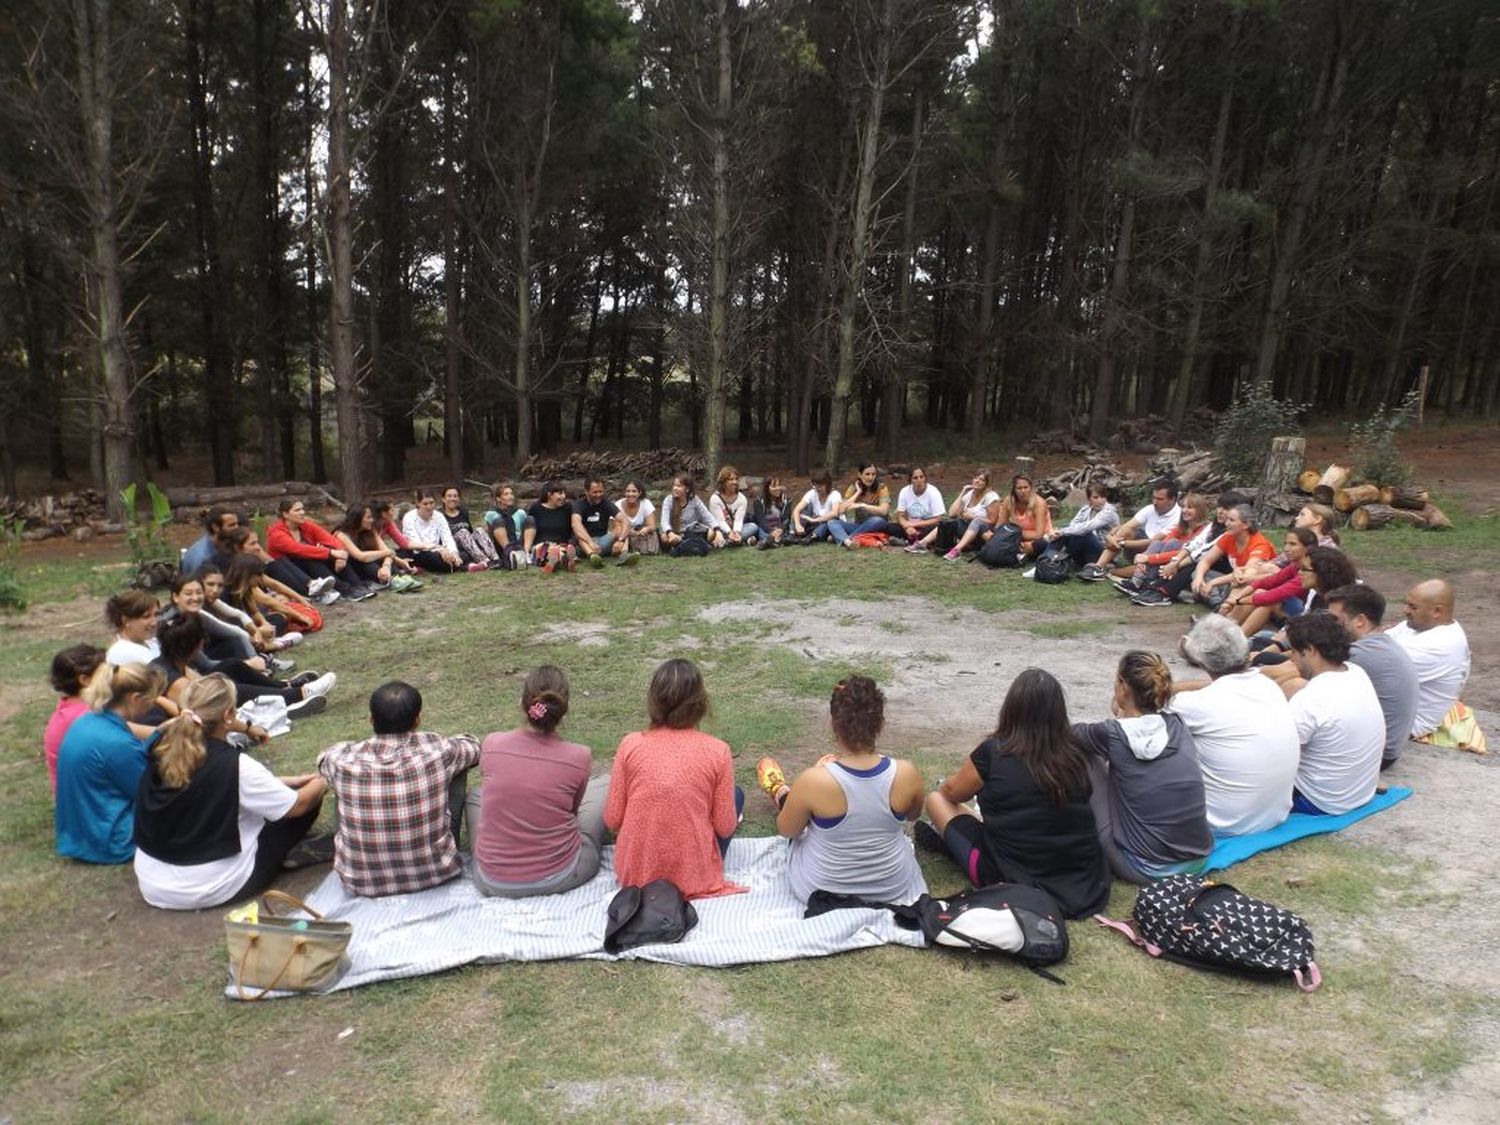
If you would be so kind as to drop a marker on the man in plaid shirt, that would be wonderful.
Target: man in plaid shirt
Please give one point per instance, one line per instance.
(398, 821)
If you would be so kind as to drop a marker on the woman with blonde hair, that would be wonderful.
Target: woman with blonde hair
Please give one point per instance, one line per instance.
(213, 825)
(1148, 787)
(537, 822)
(100, 762)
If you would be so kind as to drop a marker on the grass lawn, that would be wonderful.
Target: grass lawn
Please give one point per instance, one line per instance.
(110, 1010)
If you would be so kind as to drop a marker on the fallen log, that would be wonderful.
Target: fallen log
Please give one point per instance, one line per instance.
(1407, 496)
(236, 493)
(1336, 476)
(1434, 518)
(1347, 499)
(1368, 517)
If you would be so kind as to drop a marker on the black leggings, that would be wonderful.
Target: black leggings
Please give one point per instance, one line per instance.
(250, 684)
(276, 839)
(365, 571)
(288, 574)
(432, 561)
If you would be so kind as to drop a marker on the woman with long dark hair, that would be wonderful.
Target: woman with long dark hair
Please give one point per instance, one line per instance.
(370, 556)
(1035, 826)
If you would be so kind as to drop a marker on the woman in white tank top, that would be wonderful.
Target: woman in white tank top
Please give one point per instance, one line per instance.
(847, 816)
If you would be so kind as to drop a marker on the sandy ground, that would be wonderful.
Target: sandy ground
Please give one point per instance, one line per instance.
(945, 692)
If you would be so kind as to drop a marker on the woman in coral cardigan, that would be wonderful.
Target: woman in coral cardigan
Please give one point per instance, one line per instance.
(673, 803)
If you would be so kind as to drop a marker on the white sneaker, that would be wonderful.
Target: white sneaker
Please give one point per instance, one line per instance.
(319, 586)
(327, 598)
(290, 640)
(1031, 573)
(319, 687)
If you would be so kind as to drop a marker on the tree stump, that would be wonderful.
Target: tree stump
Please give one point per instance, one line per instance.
(1371, 516)
(1347, 499)
(1407, 496)
(1283, 466)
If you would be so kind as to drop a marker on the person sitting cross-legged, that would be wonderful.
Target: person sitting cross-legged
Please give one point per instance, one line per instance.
(537, 822)
(1148, 788)
(213, 825)
(1031, 780)
(846, 817)
(1339, 721)
(1360, 608)
(209, 547)
(919, 509)
(1083, 535)
(548, 537)
(1243, 729)
(593, 524)
(401, 798)
(866, 507)
(1439, 649)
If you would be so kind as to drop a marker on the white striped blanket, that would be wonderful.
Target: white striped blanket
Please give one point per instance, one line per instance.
(451, 925)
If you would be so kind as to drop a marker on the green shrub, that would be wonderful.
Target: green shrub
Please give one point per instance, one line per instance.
(151, 554)
(1245, 430)
(1372, 443)
(12, 597)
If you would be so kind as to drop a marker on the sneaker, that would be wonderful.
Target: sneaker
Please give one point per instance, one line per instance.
(290, 640)
(319, 586)
(771, 780)
(572, 563)
(475, 568)
(549, 566)
(926, 837)
(1152, 598)
(307, 706)
(596, 561)
(361, 593)
(303, 679)
(280, 667)
(1030, 572)
(309, 852)
(951, 556)
(319, 687)
(915, 548)
(1093, 573)
(327, 597)
(1127, 586)
(764, 545)
(629, 558)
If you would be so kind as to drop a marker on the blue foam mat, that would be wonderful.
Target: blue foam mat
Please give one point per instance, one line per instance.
(1229, 850)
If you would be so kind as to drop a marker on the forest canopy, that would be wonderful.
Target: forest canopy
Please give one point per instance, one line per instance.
(290, 232)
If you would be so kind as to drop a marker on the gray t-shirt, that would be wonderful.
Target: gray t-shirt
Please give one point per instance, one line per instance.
(1395, 678)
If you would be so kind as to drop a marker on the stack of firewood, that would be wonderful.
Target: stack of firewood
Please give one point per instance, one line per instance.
(649, 464)
(80, 514)
(1370, 506)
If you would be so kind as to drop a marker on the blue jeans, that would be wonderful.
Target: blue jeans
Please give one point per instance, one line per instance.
(841, 530)
(824, 531)
(749, 531)
(1084, 549)
(739, 812)
(605, 542)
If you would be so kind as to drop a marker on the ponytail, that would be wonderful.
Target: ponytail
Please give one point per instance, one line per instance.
(181, 747)
(109, 686)
(1148, 679)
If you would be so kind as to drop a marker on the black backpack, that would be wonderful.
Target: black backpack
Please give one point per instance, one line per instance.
(1012, 918)
(694, 545)
(1003, 547)
(1206, 925)
(648, 915)
(1054, 566)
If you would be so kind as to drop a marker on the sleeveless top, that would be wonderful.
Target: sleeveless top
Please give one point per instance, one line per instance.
(865, 852)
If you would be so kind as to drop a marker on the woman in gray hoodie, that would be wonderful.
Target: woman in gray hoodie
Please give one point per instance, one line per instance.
(1148, 789)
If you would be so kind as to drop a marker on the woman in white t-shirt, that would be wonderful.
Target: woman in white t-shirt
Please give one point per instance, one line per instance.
(132, 614)
(818, 508)
(635, 520)
(975, 508)
(213, 825)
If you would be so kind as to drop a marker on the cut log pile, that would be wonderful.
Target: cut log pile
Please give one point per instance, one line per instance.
(650, 464)
(79, 514)
(1194, 470)
(1372, 506)
(1150, 434)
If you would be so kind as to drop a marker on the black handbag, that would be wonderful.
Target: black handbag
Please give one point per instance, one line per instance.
(650, 915)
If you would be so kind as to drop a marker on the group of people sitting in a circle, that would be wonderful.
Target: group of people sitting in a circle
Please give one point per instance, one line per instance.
(1305, 697)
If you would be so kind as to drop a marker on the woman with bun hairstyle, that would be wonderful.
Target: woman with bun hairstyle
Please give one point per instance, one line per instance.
(133, 615)
(537, 821)
(213, 825)
(100, 762)
(846, 816)
(1031, 781)
(72, 669)
(1148, 787)
(673, 803)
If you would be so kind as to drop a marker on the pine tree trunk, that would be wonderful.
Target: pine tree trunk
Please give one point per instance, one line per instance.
(341, 260)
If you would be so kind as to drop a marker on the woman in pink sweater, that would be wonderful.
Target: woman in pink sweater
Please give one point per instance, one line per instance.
(673, 803)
